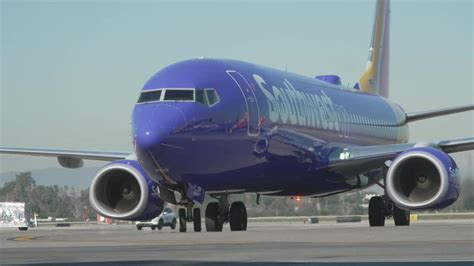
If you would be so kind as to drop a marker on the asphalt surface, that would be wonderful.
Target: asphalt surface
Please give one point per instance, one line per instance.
(439, 241)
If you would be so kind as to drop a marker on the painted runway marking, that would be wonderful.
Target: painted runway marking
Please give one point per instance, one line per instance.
(207, 242)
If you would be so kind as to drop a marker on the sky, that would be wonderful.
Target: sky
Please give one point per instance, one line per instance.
(71, 71)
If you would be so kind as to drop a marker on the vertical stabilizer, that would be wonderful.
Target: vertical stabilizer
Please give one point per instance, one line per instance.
(375, 77)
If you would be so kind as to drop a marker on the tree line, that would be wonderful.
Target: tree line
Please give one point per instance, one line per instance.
(47, 201)
(68, 202)
(354, 203)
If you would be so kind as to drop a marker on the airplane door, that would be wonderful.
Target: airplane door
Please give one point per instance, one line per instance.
(250, 101)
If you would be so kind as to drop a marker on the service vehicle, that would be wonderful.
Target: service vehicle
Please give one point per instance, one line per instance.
(12, 214)
(166, 218)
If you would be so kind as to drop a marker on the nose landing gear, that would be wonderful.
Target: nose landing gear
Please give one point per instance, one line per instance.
(190, 214)
(217, 214)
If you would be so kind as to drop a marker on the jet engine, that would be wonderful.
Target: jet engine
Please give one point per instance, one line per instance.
(122, 190)
(423, 178)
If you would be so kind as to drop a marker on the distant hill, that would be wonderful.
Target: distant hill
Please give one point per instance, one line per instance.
(78, 178)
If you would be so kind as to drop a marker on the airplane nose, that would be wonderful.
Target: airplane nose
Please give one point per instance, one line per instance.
(152, 124)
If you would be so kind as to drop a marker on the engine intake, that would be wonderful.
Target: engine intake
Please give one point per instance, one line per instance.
(423, 179)
(122, 190)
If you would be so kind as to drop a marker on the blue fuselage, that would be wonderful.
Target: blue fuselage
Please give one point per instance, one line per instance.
(270, 131)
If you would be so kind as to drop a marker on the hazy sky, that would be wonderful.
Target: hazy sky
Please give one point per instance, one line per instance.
(72, 70)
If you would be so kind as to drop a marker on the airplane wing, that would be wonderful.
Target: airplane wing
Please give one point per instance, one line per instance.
(86, 155)
(352, 160)
(356, 159)
(68, 158)
(410, 117)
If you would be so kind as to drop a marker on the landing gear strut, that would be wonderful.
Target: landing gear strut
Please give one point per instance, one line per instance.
(381, 207)
(218, 213)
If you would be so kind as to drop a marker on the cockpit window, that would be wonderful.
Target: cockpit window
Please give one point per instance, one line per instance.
(149, 96)
(212, 96)
(208, 97)
(179, 95)
(201, 97)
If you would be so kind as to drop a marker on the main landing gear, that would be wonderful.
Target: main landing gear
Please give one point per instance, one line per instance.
(381, 207)
(189, 214)
(217, 214)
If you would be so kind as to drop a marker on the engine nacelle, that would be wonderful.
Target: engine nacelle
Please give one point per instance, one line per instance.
(423, 178)
(122, 190)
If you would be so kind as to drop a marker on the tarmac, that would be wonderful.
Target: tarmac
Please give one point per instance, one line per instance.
(433, 242)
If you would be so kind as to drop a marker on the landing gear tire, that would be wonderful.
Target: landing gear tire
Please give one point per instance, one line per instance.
(376, 211)
(213, 224)
(238, 216)
(401, 217)
(160, 224)
(197, 219)
(139, 228)
(173, 224)
(182, 220)
(153, 228)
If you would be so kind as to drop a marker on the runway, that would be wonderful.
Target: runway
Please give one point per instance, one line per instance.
(442, 241)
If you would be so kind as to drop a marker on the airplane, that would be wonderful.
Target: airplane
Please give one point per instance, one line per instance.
(220, 127)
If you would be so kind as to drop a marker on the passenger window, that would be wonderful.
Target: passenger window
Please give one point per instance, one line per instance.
(149, 96)
(179, 95)
(212, 96)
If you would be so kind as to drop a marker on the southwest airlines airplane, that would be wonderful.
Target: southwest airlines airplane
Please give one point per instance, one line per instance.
(217, 127)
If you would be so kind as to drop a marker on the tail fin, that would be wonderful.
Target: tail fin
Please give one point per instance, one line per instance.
(375, 77)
